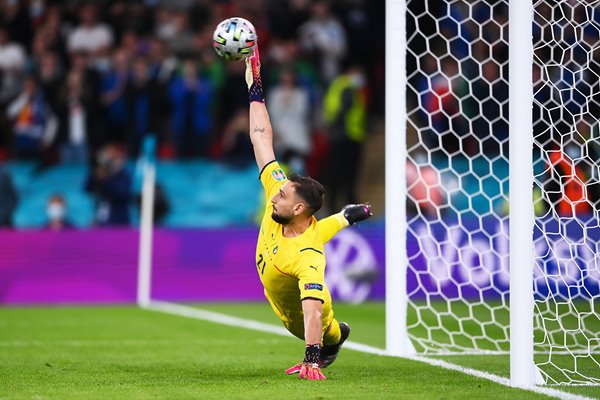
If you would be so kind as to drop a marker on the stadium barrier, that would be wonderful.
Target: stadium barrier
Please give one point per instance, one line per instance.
(100, 266)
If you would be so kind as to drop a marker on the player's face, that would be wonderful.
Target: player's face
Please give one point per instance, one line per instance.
(285, 204)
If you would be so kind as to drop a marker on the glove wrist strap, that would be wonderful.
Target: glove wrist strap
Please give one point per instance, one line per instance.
(255, 93)
(312, 352)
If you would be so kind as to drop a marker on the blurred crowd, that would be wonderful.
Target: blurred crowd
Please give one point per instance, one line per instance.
(458, 72)
(86, 82)
(458, 76)
(458, 90)
(77, 75)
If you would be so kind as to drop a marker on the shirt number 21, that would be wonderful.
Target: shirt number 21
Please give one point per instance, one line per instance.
(261, 264)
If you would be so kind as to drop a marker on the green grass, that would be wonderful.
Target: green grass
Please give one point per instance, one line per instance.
(129, 353)
(367, 321)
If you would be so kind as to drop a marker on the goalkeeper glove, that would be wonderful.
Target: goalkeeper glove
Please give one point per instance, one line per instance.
(308, 371)
(255, 90)
(309, 368)
(356, 212)
(293, 369)
(311, 372)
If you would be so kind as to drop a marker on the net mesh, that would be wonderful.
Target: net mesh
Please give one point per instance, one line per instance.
(566, 75)
(458, 168)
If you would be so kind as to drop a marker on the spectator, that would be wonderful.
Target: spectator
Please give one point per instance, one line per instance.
(162, 64)
(286, 55)
(324, 39)
(129, 16)
(50, 74)
(173, 28)
(12, 54)
(14, 16)
(78, 120)
(12, 64)
(34, 124)
(49, 37)
(110, 183)
(567, 187)
(147, 102)
(345, 113)
(285, 17)
(81, 74)
(112, 92)
(80, 61)
(162, 67)
(91, 36)
(56, 210)
(357, 18)
(8, 199)
(131, 42)
(289, 105)
(426, 194)
(191, 100)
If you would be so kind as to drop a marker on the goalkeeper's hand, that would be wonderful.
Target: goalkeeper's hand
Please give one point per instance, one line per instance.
(356, 212)
(309, 368)
(253, 80)
(309, 371)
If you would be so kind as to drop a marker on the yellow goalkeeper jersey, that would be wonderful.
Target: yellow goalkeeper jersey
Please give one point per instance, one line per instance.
(293, 269)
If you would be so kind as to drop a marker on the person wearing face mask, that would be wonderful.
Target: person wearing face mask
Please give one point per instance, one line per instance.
(344, 112)
(56, 211)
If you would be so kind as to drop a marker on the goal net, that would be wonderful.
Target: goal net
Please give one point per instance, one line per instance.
(458, 173)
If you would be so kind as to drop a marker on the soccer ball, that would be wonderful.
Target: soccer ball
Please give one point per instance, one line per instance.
(234, 39)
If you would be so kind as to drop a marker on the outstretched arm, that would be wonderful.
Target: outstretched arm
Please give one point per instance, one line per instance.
(331, 225)
(261, 132)
(349, 215)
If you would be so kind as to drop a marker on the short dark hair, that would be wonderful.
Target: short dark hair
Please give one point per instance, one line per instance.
(309, 190)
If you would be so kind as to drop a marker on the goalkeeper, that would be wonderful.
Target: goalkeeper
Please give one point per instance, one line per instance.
(289, 252)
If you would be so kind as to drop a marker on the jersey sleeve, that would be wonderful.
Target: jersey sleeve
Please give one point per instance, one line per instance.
(331, 225)
(311, 276)
(272, 178)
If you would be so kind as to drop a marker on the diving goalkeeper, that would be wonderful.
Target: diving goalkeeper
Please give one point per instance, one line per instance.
(289, 252)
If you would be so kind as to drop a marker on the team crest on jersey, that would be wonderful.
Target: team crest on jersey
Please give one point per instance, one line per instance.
(279, 175)
(313, 286)
(275, 249)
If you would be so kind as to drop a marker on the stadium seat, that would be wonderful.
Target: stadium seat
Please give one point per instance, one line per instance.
(222, 196)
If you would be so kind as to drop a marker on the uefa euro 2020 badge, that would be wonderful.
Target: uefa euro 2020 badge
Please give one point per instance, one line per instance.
(279, 175)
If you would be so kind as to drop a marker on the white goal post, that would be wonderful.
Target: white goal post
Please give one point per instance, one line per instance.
(520, 99)
(396, 261)
(452, 188)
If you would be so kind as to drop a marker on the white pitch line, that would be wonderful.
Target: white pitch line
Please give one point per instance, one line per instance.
(471, 352)
(223, 319)
(499, 379)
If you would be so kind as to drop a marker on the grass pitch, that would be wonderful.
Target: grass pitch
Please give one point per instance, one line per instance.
(130, 353)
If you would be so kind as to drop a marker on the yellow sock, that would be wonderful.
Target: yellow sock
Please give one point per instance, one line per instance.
(332, 334)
